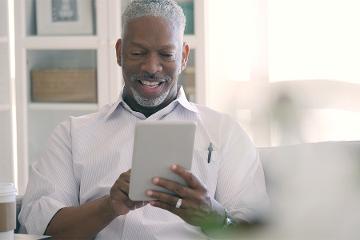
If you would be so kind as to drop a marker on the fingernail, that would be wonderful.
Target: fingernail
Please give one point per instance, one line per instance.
(149, 192)
(156, 180)
(173, 167)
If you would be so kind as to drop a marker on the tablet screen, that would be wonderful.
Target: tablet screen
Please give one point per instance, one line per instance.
(158, 145)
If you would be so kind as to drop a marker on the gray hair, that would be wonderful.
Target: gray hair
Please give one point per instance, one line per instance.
(167, 9)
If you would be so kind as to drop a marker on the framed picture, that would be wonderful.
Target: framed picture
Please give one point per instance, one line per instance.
(64, 17)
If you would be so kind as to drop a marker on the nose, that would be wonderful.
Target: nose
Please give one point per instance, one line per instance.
(152, 64)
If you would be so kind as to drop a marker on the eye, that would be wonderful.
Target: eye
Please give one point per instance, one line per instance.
(168, 56)
(137, 53)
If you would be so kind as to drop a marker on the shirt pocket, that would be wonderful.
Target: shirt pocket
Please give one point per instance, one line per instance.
(206, 171)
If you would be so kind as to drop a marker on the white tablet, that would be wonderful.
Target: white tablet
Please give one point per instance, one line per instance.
(158, 145)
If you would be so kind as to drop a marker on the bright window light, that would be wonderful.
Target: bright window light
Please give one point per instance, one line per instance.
(314, 39)
(12, 88)
(231, 38)
(331, 125)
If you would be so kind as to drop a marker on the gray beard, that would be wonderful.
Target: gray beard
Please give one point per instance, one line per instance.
(153, 102)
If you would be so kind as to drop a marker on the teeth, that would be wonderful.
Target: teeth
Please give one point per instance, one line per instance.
(150, 84)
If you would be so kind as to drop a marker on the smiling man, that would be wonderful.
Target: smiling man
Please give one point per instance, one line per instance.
(79, 188)
(152, 54)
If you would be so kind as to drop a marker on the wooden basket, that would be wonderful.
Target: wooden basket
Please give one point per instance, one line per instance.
(64, 85)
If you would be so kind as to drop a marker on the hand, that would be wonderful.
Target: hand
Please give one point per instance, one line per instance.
(119, 196)
(196, 208)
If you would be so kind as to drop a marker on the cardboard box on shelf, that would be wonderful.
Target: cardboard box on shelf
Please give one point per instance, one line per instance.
(64, 85)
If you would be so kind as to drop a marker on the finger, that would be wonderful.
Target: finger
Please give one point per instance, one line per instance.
(192, 181)
(172, 200)
(121, 199)
(182, 213)
(174, 187)
(128, 202)
(166, 206)
(125, 176)
(163, 197)
(139, 204)
(118, 195)
(124, 199)
(123, 187)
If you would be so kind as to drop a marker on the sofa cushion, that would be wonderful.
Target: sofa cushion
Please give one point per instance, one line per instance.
(314, 190)
(283, 162)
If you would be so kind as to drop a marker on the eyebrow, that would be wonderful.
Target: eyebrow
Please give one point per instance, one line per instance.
(137, 44)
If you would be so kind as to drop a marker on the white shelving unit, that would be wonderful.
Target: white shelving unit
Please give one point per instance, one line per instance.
(63, 107)
(58, 42)
(4, 40)
(4, 107)
(6, 153)
(198, 44)
(36, 120)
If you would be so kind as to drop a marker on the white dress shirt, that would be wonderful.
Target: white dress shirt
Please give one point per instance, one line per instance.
(85, 155)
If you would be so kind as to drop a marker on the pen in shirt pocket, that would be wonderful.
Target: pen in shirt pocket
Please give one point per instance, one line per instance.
(210, 150)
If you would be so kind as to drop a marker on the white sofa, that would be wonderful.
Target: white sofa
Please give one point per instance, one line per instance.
(287, 157)
(314, 190)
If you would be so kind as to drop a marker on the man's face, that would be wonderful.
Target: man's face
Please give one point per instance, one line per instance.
(152, 56)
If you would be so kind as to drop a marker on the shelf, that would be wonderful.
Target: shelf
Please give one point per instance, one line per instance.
(63, 107)
(68, 42)
(73, 42)
(4, 107)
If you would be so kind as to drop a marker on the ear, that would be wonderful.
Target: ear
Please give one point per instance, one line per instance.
(118, 51)
(185, 55)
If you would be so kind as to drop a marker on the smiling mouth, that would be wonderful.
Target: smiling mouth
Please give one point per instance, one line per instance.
(151, 84)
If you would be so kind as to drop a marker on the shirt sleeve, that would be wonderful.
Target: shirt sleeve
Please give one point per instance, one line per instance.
(52, 184)
(241, 185)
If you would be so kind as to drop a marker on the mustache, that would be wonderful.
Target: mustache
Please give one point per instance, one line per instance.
(148, 76)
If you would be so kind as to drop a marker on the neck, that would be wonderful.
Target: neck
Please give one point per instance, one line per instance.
(147, 111)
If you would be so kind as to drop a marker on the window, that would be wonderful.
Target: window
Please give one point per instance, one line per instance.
(273, 60)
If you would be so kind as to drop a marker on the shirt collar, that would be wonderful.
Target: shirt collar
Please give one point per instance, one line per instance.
(181, 99)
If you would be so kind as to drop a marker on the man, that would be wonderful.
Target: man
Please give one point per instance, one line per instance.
(79, 188)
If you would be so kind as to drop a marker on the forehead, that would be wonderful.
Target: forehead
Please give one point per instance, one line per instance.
(149, 30)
